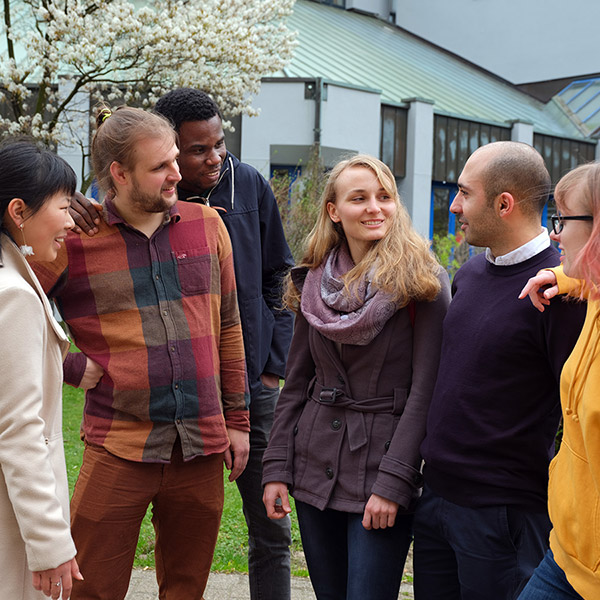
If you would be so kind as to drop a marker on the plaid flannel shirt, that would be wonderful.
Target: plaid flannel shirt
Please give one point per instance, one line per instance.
(160, 316)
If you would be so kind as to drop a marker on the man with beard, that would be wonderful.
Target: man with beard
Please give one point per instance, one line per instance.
(151, 303)
(213, 176)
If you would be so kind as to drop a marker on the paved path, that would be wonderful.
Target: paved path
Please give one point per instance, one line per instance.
(226, 586)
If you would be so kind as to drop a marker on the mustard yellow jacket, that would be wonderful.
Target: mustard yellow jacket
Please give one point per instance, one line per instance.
(574, 486)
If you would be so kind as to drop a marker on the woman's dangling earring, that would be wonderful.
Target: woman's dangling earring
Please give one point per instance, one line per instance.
(25, 249)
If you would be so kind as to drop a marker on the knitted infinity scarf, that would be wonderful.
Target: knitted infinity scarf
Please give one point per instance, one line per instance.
(354, 318)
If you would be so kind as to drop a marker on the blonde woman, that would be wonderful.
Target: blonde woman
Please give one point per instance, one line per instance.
(369, 298)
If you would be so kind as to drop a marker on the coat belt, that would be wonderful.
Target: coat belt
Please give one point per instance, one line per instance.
(355, 417)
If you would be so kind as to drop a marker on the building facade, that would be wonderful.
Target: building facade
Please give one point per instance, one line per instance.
(360, 83)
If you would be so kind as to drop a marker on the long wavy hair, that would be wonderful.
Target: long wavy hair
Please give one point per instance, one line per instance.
(401, 263)
(585, 181)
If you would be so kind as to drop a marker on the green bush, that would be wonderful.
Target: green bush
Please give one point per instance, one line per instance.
(299, 202)
(451, 252)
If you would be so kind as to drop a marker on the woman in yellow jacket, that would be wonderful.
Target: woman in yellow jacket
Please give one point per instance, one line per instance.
(571, 568)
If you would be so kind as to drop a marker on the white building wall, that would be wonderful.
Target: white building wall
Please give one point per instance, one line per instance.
(381, 8)
(415, 188)
(285, 118)
(520, 41)
(285, 130)
(522, 132)
(350, 120)
(75, 121)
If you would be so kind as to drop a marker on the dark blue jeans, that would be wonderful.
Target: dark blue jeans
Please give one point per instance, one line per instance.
(346, 561)
(268, 540)
(484, 553)
(549, 582)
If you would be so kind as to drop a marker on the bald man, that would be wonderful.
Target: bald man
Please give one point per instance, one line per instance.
(482, 525)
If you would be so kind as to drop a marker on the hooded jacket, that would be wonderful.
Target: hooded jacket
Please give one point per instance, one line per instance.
(574, 486)
(261, 258)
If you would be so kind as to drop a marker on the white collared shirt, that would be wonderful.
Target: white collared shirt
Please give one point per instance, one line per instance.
(522, 253)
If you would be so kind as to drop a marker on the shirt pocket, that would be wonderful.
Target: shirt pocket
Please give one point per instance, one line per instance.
(193, 270)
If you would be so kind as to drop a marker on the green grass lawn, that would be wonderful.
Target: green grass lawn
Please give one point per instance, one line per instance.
(232, 545)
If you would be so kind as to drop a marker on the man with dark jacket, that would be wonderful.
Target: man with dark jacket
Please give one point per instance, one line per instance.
(213, 176)
(482, 524)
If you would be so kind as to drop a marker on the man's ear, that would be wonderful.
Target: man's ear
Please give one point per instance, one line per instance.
(119, 173)
(505, 203)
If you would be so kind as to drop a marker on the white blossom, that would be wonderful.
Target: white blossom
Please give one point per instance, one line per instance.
(128, 50)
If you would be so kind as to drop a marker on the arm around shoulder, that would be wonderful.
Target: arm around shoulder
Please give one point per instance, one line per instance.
(548, 283)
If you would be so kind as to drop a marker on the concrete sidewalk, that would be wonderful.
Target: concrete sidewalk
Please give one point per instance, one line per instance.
(226, 586)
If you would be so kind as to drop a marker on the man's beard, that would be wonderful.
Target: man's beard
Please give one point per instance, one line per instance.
(150, 203)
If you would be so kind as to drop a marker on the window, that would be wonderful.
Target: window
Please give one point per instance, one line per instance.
(561, 155)
(393, 139)
(454, 140)
(340, 3)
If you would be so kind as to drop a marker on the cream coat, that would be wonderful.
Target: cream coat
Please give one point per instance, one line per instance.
(34, 496)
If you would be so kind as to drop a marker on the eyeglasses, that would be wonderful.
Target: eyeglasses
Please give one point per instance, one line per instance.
(558, 221)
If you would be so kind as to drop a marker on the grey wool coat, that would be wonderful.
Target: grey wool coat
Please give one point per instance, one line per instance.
(350, 419)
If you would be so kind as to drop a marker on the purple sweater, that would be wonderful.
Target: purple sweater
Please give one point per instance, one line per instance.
(495, 408)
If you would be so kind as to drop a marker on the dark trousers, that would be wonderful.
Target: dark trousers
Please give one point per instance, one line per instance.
(465, 553)
(348, 562)
(268, 540)
(109, 502)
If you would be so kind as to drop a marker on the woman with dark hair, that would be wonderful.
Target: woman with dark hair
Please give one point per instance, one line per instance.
(570, 570)
(369, 299)
(35, 541)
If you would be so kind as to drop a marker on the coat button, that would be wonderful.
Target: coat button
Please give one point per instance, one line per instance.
(387, 445)
(329, 472)
(296, 430)
(336, 424)
(340, 379)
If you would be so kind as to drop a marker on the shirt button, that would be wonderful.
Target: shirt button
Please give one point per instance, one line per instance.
(157, 277)
(329, 472)
(165, 312)
(172, 348)
(178, 421)
(336, 424)
(176, 386)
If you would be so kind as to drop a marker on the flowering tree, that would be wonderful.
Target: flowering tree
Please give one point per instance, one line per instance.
(131, 51)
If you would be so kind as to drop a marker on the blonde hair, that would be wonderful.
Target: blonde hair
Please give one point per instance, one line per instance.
(401, 263)
(585, 181)
(117, 133)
